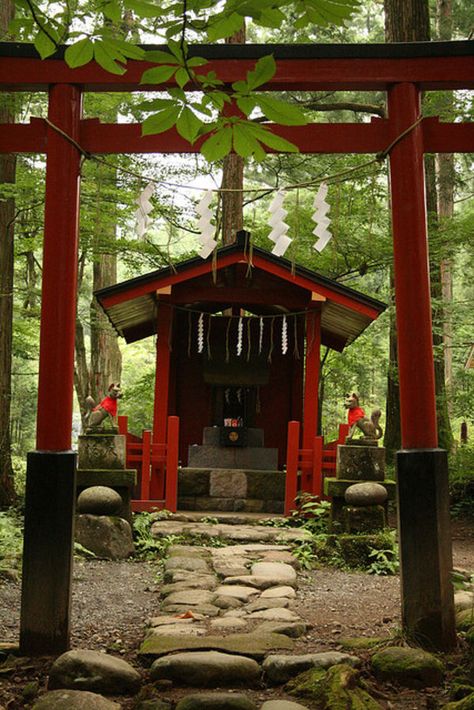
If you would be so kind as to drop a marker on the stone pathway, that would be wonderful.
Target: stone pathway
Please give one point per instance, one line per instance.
(227, 621)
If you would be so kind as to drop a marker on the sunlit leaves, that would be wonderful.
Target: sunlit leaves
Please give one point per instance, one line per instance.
(245, 138)
(324, 12)
(76, 55)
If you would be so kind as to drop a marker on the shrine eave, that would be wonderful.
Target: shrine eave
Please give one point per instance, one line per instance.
(131, 306)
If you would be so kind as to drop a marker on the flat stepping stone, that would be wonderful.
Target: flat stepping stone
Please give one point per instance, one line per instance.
(281, 556)
(279, 572)
(279, 669)
(206, 669)
(247, 580)
(260, 604)
(191, 564)
(293, 629)
(252, 645)
(188, 551)
(226, 602)
(228, 623)
(74, 700)
(207, 581)
(216, 701)
(275, 615)
(242, 533)
(192, 597)
(231, 569)
(166, 620)
(94, 671)
(181, 575)
(201, 610)
(275, 592)
(177, 630)
(236, 591)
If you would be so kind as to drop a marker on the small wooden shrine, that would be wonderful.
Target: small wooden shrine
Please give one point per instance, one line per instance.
(238, 347)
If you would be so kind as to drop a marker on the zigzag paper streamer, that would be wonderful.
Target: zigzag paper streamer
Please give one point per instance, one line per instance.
(206, 228)
(201, 333)
(321, 208)
(284, 336)
(260, 337)
(144, 208)
(240, 331)
(279, 226)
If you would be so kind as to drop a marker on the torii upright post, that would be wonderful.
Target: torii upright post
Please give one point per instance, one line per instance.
(50, 483)
(422, 470)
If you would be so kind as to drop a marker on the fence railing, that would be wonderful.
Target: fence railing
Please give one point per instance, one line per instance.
(312, 464)
(156, 464)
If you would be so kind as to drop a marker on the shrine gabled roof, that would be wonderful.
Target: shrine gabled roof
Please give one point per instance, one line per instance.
(253, 279)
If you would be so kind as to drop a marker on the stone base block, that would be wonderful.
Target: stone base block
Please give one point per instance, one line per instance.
(104, 451)
(249, 457)
(108, 537)
(360, 463)
(231, 505)
(365, 520)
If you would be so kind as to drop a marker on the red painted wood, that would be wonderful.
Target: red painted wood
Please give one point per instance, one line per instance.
(160, 413)
(317, 488)
(292, 74)
(171, 488)
(96, 137)
(311, 384)
(58, 302)
(122, 424)
(291, 483)
(146, 455)
(412, 279)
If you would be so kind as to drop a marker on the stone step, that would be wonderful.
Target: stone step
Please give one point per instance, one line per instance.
(230, 533)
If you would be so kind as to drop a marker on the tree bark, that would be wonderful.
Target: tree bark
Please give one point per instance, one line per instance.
(7, 218)
(233, 180)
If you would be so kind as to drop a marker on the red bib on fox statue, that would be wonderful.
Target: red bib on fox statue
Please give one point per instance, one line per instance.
(110, 406)
(353, 415)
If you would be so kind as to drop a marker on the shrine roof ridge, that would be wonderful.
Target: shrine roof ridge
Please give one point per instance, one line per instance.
(239, 246)
(394, 50)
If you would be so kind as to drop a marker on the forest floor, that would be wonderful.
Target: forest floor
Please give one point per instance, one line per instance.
(113, 600)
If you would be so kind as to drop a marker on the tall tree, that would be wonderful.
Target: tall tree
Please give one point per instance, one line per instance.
(7, 219)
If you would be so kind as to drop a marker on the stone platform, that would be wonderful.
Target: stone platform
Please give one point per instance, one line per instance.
(230, 489)
(253, 456)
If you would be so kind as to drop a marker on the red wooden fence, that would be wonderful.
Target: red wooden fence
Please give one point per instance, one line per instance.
(314, 464)
(156, 465)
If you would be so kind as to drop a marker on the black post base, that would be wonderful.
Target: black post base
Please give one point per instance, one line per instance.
(47, 552)
(425, 547)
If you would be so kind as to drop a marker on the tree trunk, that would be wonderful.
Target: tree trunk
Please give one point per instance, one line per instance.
(232, 180)
(106, 359)
(7, 216)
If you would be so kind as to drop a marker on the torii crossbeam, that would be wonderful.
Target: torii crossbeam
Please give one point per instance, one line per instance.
(403, 71)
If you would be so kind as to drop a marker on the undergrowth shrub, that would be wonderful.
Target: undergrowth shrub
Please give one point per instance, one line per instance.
(11, 541)
(461, 482)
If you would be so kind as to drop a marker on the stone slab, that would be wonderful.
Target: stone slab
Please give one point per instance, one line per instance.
(228, 484)
(250, 457)
(237, 591)
(105, 451)
(242, 533)
(255, 646)
(206, 669)
(281, 668)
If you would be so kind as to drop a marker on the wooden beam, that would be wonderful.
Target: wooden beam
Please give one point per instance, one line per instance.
(241, 296)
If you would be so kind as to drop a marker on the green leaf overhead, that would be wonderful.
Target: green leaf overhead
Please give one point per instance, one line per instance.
(80, 53)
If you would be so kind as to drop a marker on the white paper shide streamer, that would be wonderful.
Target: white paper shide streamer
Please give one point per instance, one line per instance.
(206, 229)
(240, 332)
(144, 209)
(279, 227)
(201, 333)
(284, 336)
(321, 219)
(260, 336)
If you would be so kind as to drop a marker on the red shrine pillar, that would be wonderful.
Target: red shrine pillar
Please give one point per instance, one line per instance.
(162, 377)
(422, 471)
(311, 387)
(50, 484)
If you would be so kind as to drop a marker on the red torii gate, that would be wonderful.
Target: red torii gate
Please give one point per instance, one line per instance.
(404, 71)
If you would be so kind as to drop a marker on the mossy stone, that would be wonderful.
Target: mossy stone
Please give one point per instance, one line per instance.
(364, 520)
(361, 642)
(410, 667)
(466, 703)
(334, 689)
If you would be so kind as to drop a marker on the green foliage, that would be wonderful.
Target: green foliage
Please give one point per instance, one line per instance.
(384, 561)
(11, 540)
(81, 551)
(461, 482)
(146, 546)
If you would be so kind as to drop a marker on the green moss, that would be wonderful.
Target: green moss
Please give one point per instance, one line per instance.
(410, 667)
(334, 689)
(361, 642)
(464, 704)
(465, 620)
(367, 519)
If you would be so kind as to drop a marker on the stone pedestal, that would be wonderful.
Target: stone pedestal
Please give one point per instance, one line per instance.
(358, 463)
(101, 462)
(252, 456)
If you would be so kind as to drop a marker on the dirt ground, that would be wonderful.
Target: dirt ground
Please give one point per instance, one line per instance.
(112, 600)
